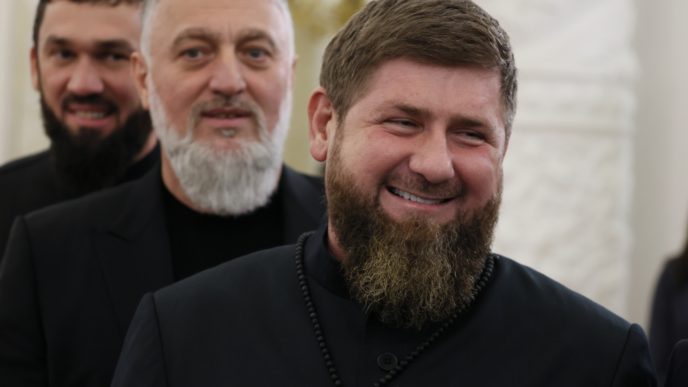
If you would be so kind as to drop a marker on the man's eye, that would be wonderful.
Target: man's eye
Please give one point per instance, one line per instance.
(256, 53)
(115, 57)
(192, 53)
(471, 137)
(403, 122)
(63, 54)
(256, 56)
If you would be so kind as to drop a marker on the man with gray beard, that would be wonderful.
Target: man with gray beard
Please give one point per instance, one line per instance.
(399, 286)
(216, 76)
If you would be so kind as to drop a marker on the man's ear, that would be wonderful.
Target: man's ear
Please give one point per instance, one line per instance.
(35, 76)
(139, 69)
(322, 122)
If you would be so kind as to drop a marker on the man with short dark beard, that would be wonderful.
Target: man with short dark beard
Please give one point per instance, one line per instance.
(100, 135)
(399, 286)
(216, 76)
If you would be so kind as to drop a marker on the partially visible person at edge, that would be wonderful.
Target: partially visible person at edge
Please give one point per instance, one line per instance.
(676, 374)
(669, 318)
(99, 133)
(217, 77)
(399, 285)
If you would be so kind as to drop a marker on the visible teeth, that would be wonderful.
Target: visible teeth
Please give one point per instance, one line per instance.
(225, 115)
(229, 133)
(90, 115)
(413, 198)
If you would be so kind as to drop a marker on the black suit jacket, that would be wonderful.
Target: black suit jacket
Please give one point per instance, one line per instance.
(669, 320)
(245, 323)
(677, 373)
(74, 273)
(30, 183)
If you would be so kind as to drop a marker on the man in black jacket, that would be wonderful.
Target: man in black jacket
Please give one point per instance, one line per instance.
(220, 101)
(399, 286)
(100, 135)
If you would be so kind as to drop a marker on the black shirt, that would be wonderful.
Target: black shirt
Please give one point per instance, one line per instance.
(200, 241)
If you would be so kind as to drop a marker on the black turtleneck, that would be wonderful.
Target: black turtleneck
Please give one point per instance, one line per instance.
(200, 241)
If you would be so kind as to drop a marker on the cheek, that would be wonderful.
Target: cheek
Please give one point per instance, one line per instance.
(176, 98)
(128, 94)
(371, 160)
(269, 93)
(53, 84)
(480, 176)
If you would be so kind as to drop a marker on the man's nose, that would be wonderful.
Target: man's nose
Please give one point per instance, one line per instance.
(432, 158)
(86, 79)
(228, 76)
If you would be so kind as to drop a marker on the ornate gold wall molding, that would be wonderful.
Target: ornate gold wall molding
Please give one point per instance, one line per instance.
(323, 17)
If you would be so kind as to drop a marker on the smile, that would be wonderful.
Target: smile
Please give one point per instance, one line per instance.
(416, 199)
(90, 115)
(226, 113)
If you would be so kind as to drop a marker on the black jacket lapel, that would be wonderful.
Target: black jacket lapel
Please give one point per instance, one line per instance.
(134, 247)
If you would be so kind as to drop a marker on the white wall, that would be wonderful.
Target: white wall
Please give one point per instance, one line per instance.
(6, 51)
(567, 173)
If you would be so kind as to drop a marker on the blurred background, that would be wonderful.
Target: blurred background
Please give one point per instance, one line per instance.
(596, 190)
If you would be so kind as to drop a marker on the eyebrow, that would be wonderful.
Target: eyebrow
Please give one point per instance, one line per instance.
(102, 45)
(243, 37)
(195, 33)
(253, 34)
(456, 119)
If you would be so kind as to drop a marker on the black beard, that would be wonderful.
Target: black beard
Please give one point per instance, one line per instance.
(86, 161)
(407, 273)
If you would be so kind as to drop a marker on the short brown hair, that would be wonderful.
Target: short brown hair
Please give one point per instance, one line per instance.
(42, 4)
(444, 32)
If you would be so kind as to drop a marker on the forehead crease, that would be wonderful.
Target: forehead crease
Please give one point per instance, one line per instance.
(454, 117)
(103, 44)
(102, 22)
(258, 20)
(192, 33)
(249, 34)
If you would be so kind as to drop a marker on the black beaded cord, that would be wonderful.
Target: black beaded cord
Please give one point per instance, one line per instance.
(403, 364)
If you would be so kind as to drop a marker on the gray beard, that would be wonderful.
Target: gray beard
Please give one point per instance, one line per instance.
(235, 182)
(407, 273)
(224, 182)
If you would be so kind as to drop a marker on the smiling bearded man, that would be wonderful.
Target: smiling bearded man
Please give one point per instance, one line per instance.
(85, 159)
(412, 272)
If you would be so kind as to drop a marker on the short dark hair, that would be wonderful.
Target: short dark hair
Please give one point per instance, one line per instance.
(42, 4)
(444, 32)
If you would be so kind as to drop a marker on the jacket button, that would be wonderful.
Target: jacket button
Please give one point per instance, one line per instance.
(387, 361)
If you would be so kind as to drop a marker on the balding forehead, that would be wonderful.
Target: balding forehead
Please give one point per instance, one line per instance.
(150, 9)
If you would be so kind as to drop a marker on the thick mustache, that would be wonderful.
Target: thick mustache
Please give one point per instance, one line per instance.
(239, 103)
(218, 103)
(91, 99)
(419, 185)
